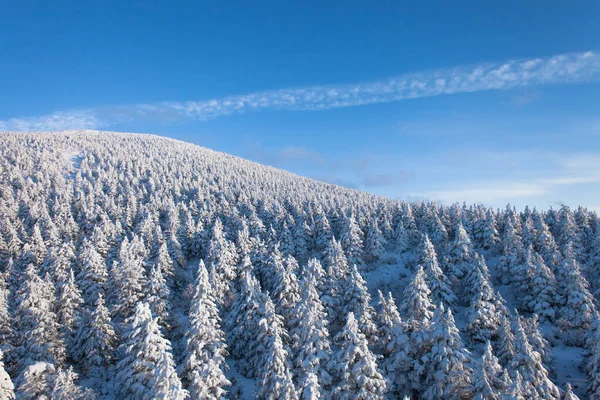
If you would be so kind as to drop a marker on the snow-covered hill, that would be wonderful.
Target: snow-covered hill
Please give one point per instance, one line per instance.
(136, 266)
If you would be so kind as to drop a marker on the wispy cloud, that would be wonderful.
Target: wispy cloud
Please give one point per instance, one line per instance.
(557, 174)
(564, 68)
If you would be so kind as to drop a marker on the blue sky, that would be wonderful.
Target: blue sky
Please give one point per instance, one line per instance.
(451, 101)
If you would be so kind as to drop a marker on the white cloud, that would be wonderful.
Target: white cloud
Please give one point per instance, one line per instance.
(564, 68)
(556, 175)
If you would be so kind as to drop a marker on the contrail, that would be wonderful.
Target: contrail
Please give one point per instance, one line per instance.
(558, 69)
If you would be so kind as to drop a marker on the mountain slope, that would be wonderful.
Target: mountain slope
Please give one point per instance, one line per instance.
(168, 262)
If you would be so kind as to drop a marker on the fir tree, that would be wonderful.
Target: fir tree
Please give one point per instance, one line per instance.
(528, 362)
(483, 315)
(357, 301)
(157, 296)
(7, 389)
(92, 276)
(374, 242)
(356, 367)
(578, 310)
(242, 322)
(417, 305)
(205, 349)
(95, 342)
(36, 382)
(310, 338)
(69, 305)
(438, 282)
(387, 319)
(65, 387)
(146, 369)
(450, 375)
(275, 377)
(221, 263)
(36, 323)
(569, 395)
(460, 255)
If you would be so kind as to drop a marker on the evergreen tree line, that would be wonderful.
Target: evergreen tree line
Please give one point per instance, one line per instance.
(138, 267)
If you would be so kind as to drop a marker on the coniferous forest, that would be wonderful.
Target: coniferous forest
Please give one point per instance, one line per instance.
(140, 267)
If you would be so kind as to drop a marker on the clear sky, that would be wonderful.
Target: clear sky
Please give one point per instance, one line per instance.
(475, 101)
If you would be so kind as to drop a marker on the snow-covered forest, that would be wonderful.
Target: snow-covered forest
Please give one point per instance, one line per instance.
(140, 267)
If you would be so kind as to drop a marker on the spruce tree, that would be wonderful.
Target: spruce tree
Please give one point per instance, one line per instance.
(358, 375)
(93, 274)
(7, 389)
(577, 312)
(374, 242)
(417, 305)
(36, 381)
(483, 315)
(205, 348)
(310, 337)
(357, 301)
(94, 345)
(158, 296)
(36, 323)
(450, 374)
(438, 282)
(275, 377)
(528, 363)
(69, 305)
(146, 369)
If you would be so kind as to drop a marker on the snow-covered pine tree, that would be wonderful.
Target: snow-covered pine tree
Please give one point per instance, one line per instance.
(337, 270)
(310, 339)
(438, 282)
(386, 319)
(417, 305)
(357, 374)
(569, 395)
(506, 341)
(94, 345)
(36, 323)
(275, 376)
(69, 304)
(221, 264)
(528, 363)
(164, 262)
(65, 387)
(36, 381)
(491, 380)
(321, 231)
(357, 301)
(286, 292)
(578, 309)
(461, 255)
(374, 242)
(314, 270)
(540, 296)
(514, 253)
(537, 341)
(158, 296)
(205, 349)
(93, 274)
(7, 389)
(351, 240)
(398, 363)
(6, 326)
(569, 235)
(401, 239)
(242, 322)
(450, 373)
(483, 315)
(146, 369)
(127, 280)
